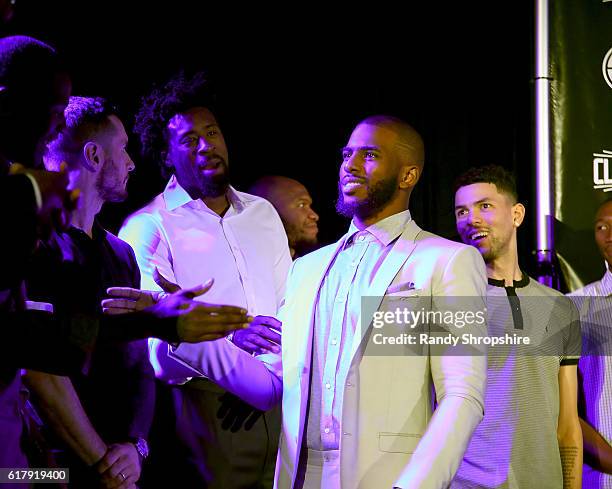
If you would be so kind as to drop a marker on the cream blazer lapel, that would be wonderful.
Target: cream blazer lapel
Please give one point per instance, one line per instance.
(401, 251)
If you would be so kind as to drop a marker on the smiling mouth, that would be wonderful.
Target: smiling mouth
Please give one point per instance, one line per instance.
(350, 184)
(479, 236)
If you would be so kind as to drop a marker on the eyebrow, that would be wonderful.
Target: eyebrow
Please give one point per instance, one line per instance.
(477, 202)
(193, 131)
(361, 148)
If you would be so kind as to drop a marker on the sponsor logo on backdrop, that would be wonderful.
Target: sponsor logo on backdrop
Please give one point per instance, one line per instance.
(606, 68)
(602, 171)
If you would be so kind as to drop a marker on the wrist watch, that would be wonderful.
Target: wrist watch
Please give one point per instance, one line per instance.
(142, 447)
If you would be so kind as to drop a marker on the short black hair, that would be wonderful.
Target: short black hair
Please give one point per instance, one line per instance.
(495, 174)
(28, 70)
(179, 94)
(24, 60)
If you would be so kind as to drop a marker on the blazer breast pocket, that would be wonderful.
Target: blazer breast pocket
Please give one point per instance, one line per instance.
(403, 288)
(398, 442)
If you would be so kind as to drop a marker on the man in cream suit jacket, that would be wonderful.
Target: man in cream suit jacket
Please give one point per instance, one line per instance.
(354, 416)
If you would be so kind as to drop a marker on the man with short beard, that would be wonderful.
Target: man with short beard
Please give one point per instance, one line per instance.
(201, 227)
(530, 436)
(72, 271)
(355, 415)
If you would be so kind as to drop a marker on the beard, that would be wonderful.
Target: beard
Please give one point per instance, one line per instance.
(497, 248)
(301, 242)
(109, 186)
(216, 185)
(378, 196)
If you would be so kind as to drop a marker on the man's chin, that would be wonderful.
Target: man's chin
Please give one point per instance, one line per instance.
(116, 196)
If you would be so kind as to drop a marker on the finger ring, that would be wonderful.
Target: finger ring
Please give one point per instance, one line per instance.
(122, 475)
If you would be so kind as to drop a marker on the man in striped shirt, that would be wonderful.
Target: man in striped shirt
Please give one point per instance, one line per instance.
(595, 367)
(530, 435)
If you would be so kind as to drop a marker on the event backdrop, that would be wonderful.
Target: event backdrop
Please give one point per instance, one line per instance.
(581, 104)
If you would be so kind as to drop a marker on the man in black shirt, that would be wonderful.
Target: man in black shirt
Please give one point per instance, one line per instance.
(72, 271)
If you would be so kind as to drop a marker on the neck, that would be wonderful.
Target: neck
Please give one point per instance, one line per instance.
(218, 205)
(89, 206)
(394, 207)
(505, 267)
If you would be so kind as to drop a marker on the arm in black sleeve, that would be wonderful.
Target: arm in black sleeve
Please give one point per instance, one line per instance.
(19, 223)
(61, 345)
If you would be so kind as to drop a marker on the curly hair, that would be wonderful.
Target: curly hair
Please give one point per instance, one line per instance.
(495, 174)
(177, 95)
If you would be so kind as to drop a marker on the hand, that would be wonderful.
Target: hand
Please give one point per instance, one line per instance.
(120, 466)
(199, 321)
(127, 299)
(259, 337)
(57, 201)
(236, 414)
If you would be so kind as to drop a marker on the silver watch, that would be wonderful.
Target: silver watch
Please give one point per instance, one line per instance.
(142, 447)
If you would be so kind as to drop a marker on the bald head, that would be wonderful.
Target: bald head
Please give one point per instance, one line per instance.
(408, 144)
(293, 204)
(275, 187)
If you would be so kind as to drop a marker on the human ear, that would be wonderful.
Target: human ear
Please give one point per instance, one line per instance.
(410, 176)
(518, 214)
(92, 155)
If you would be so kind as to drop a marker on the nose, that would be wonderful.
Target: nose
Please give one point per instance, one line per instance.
(205, 146)
(351, 163)
(130, 164)
(313, 215)
(473, 217)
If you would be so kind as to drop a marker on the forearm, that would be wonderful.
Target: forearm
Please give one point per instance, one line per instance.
(570, 450)
(137, 325)
(569, 433)
(441, 449)
(61, 407)
(256, 380)
(597, 451)
(141, 380)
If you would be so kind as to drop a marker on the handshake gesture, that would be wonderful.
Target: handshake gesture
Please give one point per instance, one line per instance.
(197, 321)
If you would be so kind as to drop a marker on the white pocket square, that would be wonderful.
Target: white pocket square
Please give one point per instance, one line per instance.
(400, 287)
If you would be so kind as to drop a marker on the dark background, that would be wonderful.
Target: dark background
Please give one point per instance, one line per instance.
(293, 81)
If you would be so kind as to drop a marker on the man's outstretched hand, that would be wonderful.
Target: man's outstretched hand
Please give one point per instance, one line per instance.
(199, 321)
(127, 299)
(196, 321)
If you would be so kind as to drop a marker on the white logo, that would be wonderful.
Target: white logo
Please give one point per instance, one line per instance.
(606, 68)
(602, 171)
